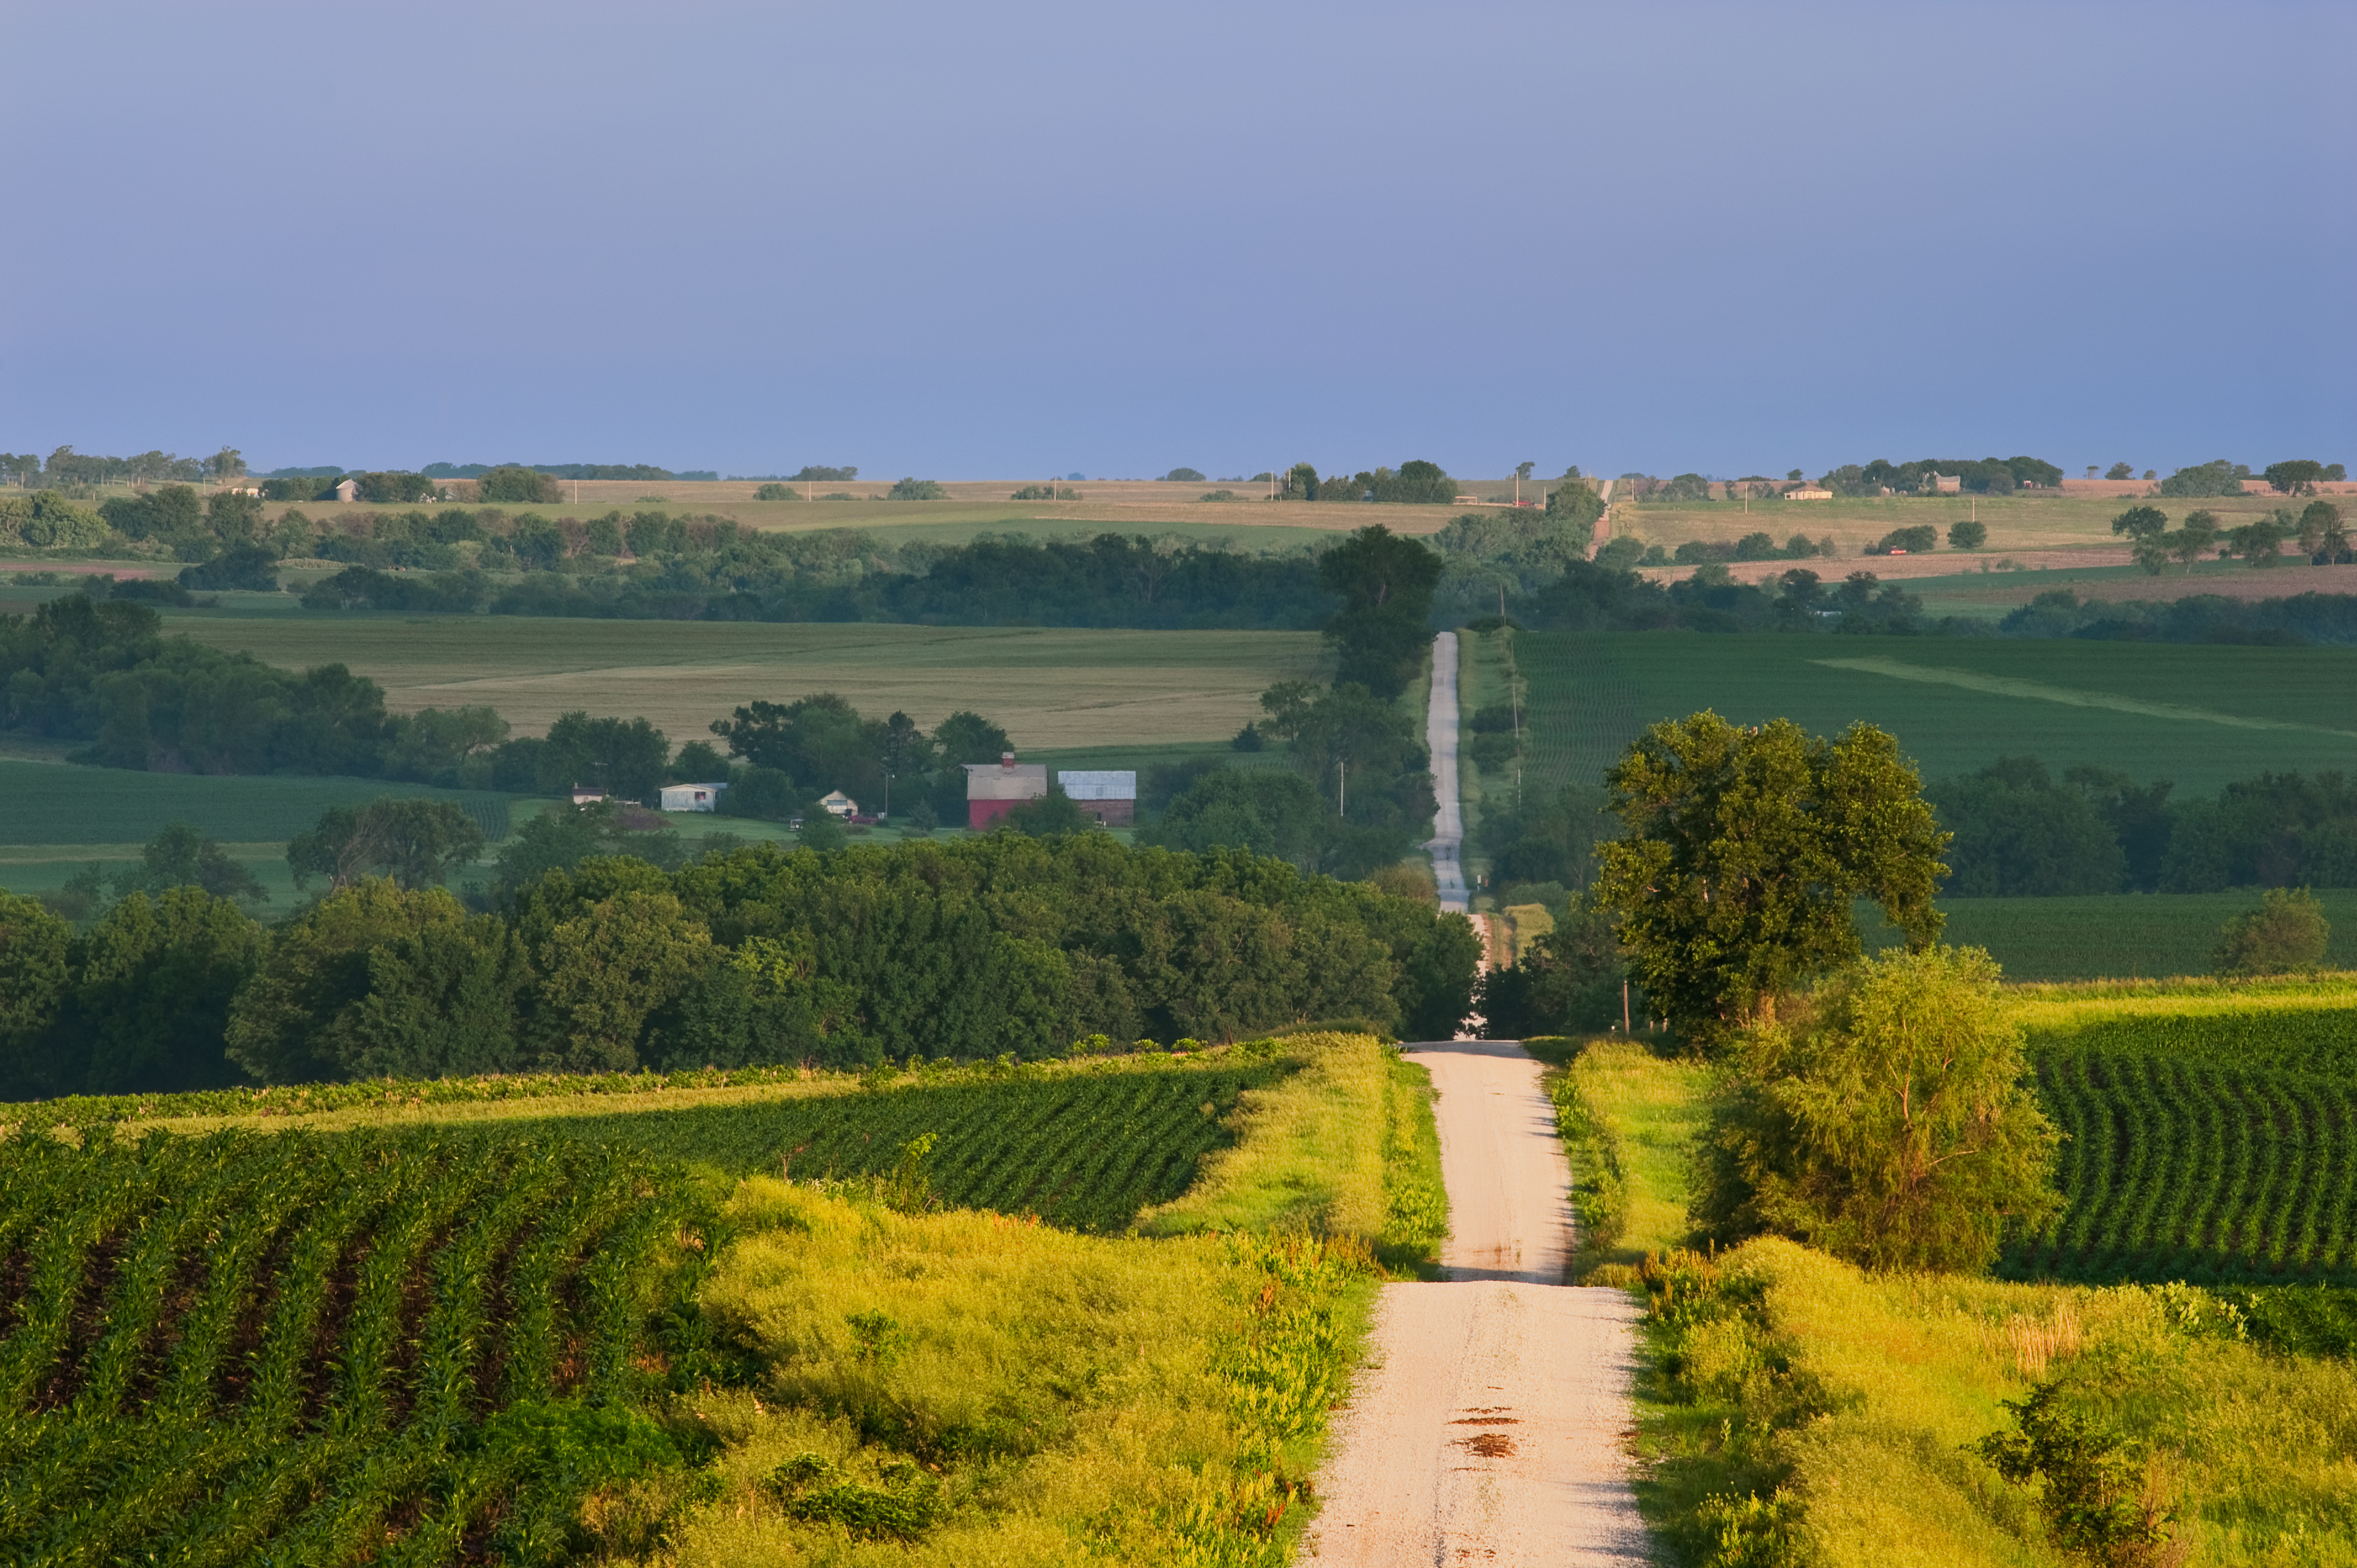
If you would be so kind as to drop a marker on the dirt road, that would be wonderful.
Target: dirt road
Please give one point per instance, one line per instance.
(1440, 739)
(1488, 1427)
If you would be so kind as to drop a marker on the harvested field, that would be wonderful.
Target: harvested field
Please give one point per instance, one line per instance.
(1048, 688)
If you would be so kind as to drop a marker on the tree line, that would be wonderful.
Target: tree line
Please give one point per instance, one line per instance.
(974, 948)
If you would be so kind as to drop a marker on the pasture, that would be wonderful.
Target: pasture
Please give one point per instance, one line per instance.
(2200, 716)
(1050, 688)
(2110, 934)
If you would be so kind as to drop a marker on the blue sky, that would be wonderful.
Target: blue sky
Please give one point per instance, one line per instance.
(964, 241)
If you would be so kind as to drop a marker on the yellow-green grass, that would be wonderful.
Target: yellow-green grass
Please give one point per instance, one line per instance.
(2199, 716)
(2122, 935)
(1050, 688)
(1309, 1155)
(2255, 1451)
(1860, 1394)
(1629, 1119)
(1048, 1397)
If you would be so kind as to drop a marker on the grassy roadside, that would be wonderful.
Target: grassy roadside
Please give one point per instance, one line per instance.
(1794, 1411)
(952, 1387)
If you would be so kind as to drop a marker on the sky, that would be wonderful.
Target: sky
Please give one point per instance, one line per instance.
(960, 240)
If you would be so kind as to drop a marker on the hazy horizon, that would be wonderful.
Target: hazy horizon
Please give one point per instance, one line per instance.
(942, 241)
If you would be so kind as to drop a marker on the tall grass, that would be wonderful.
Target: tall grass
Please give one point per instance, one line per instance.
(1629, 1121)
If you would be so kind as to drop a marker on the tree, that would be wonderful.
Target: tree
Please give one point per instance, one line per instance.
(626, 757)
(2218, 477)
(2014, 834)
(2259, 543)
(1743, 852)
(1052, 815)
(34, 977)
(822, 831)
(180, 857)
(604, 970)
(2322, 534)
(917, 490)
(2293, 478)
(2140, 522)
(763, 794)
(1969, 535)
(2119, 471)
(152, 994)
(1184, 475)
(2190, 542)
(415, 843)
(228, 463)
(512, 484)
(1525, 470)
(294, 1022)
(2288, 932)
(1569, 980)
(1892, 1123)
(251, 567)
(1301, 482)
(1267, 812)
(1386, 582)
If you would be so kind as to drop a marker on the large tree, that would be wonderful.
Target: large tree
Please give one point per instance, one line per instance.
(1386, 581)
(1744, 850)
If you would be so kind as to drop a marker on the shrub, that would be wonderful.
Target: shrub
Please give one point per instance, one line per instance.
(1968, 534)
(1184, 476)
(1914, 541)
(917, 490)
(1890, 1125)
(249, 567)
(2287, 931)
(774, 492)
(511, 483)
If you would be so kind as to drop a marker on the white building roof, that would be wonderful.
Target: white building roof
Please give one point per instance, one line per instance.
(1005, 780)
(1098, 784)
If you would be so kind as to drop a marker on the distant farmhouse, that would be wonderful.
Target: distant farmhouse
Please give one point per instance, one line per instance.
(835, 803)
(1808, 493)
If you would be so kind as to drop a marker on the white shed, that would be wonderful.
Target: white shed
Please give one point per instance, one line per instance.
(691, 797)
(1108, 794)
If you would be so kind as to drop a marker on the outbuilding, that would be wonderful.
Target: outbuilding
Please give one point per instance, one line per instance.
(1110, 795)
(691, 797)
(994, 789)
(348, 489)
(835, 803)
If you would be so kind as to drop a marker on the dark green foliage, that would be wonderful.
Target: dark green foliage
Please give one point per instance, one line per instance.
(511, 483)
(1569, 982)
(1743, 850)
(763, 794)
(1969, 535)
(1385, 581)
(365, 588)
(415, 843)
(179, 857)
(917, 490)
(1365, 751)
(2278, 829)
(1987, 476)
(1265, 811)
(2328, 618)
(1551, 838)
(2214, 479)
(252, 568)
(1912, 540)
(2015, 834)
(149, 1000)
(623, 758)
(1051, 816)
(423, 1347)
(2092, 1492)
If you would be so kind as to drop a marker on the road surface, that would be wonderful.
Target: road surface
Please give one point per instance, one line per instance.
(1440, 739)
(1489, 1426)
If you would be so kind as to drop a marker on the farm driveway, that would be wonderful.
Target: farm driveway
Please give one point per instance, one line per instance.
(1488, 1428)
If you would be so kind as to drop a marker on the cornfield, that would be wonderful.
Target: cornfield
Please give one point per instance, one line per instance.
(406, 1348)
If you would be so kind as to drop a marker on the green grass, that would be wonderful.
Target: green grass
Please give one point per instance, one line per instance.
(2106, 935)
(60, 805)
(1629, 1119)
(2199, 716)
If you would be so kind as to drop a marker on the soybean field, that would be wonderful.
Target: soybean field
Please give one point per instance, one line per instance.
(2177, 1170)
(416, 1349)
(1085, 1151)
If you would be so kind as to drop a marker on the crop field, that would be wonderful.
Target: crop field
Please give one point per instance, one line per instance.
(301, 1349)
(1085, 1152)
(1050, 688)
(524, 1340)
(2200, 715)
(2096, 936)
(2176, 1169)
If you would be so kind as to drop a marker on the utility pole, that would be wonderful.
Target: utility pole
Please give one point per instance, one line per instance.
(1342, 788)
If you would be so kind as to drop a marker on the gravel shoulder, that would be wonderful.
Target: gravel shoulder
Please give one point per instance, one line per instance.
(1489, 1423)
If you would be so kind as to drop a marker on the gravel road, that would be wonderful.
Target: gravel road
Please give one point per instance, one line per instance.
(1440, 739)
(1487, 1427)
